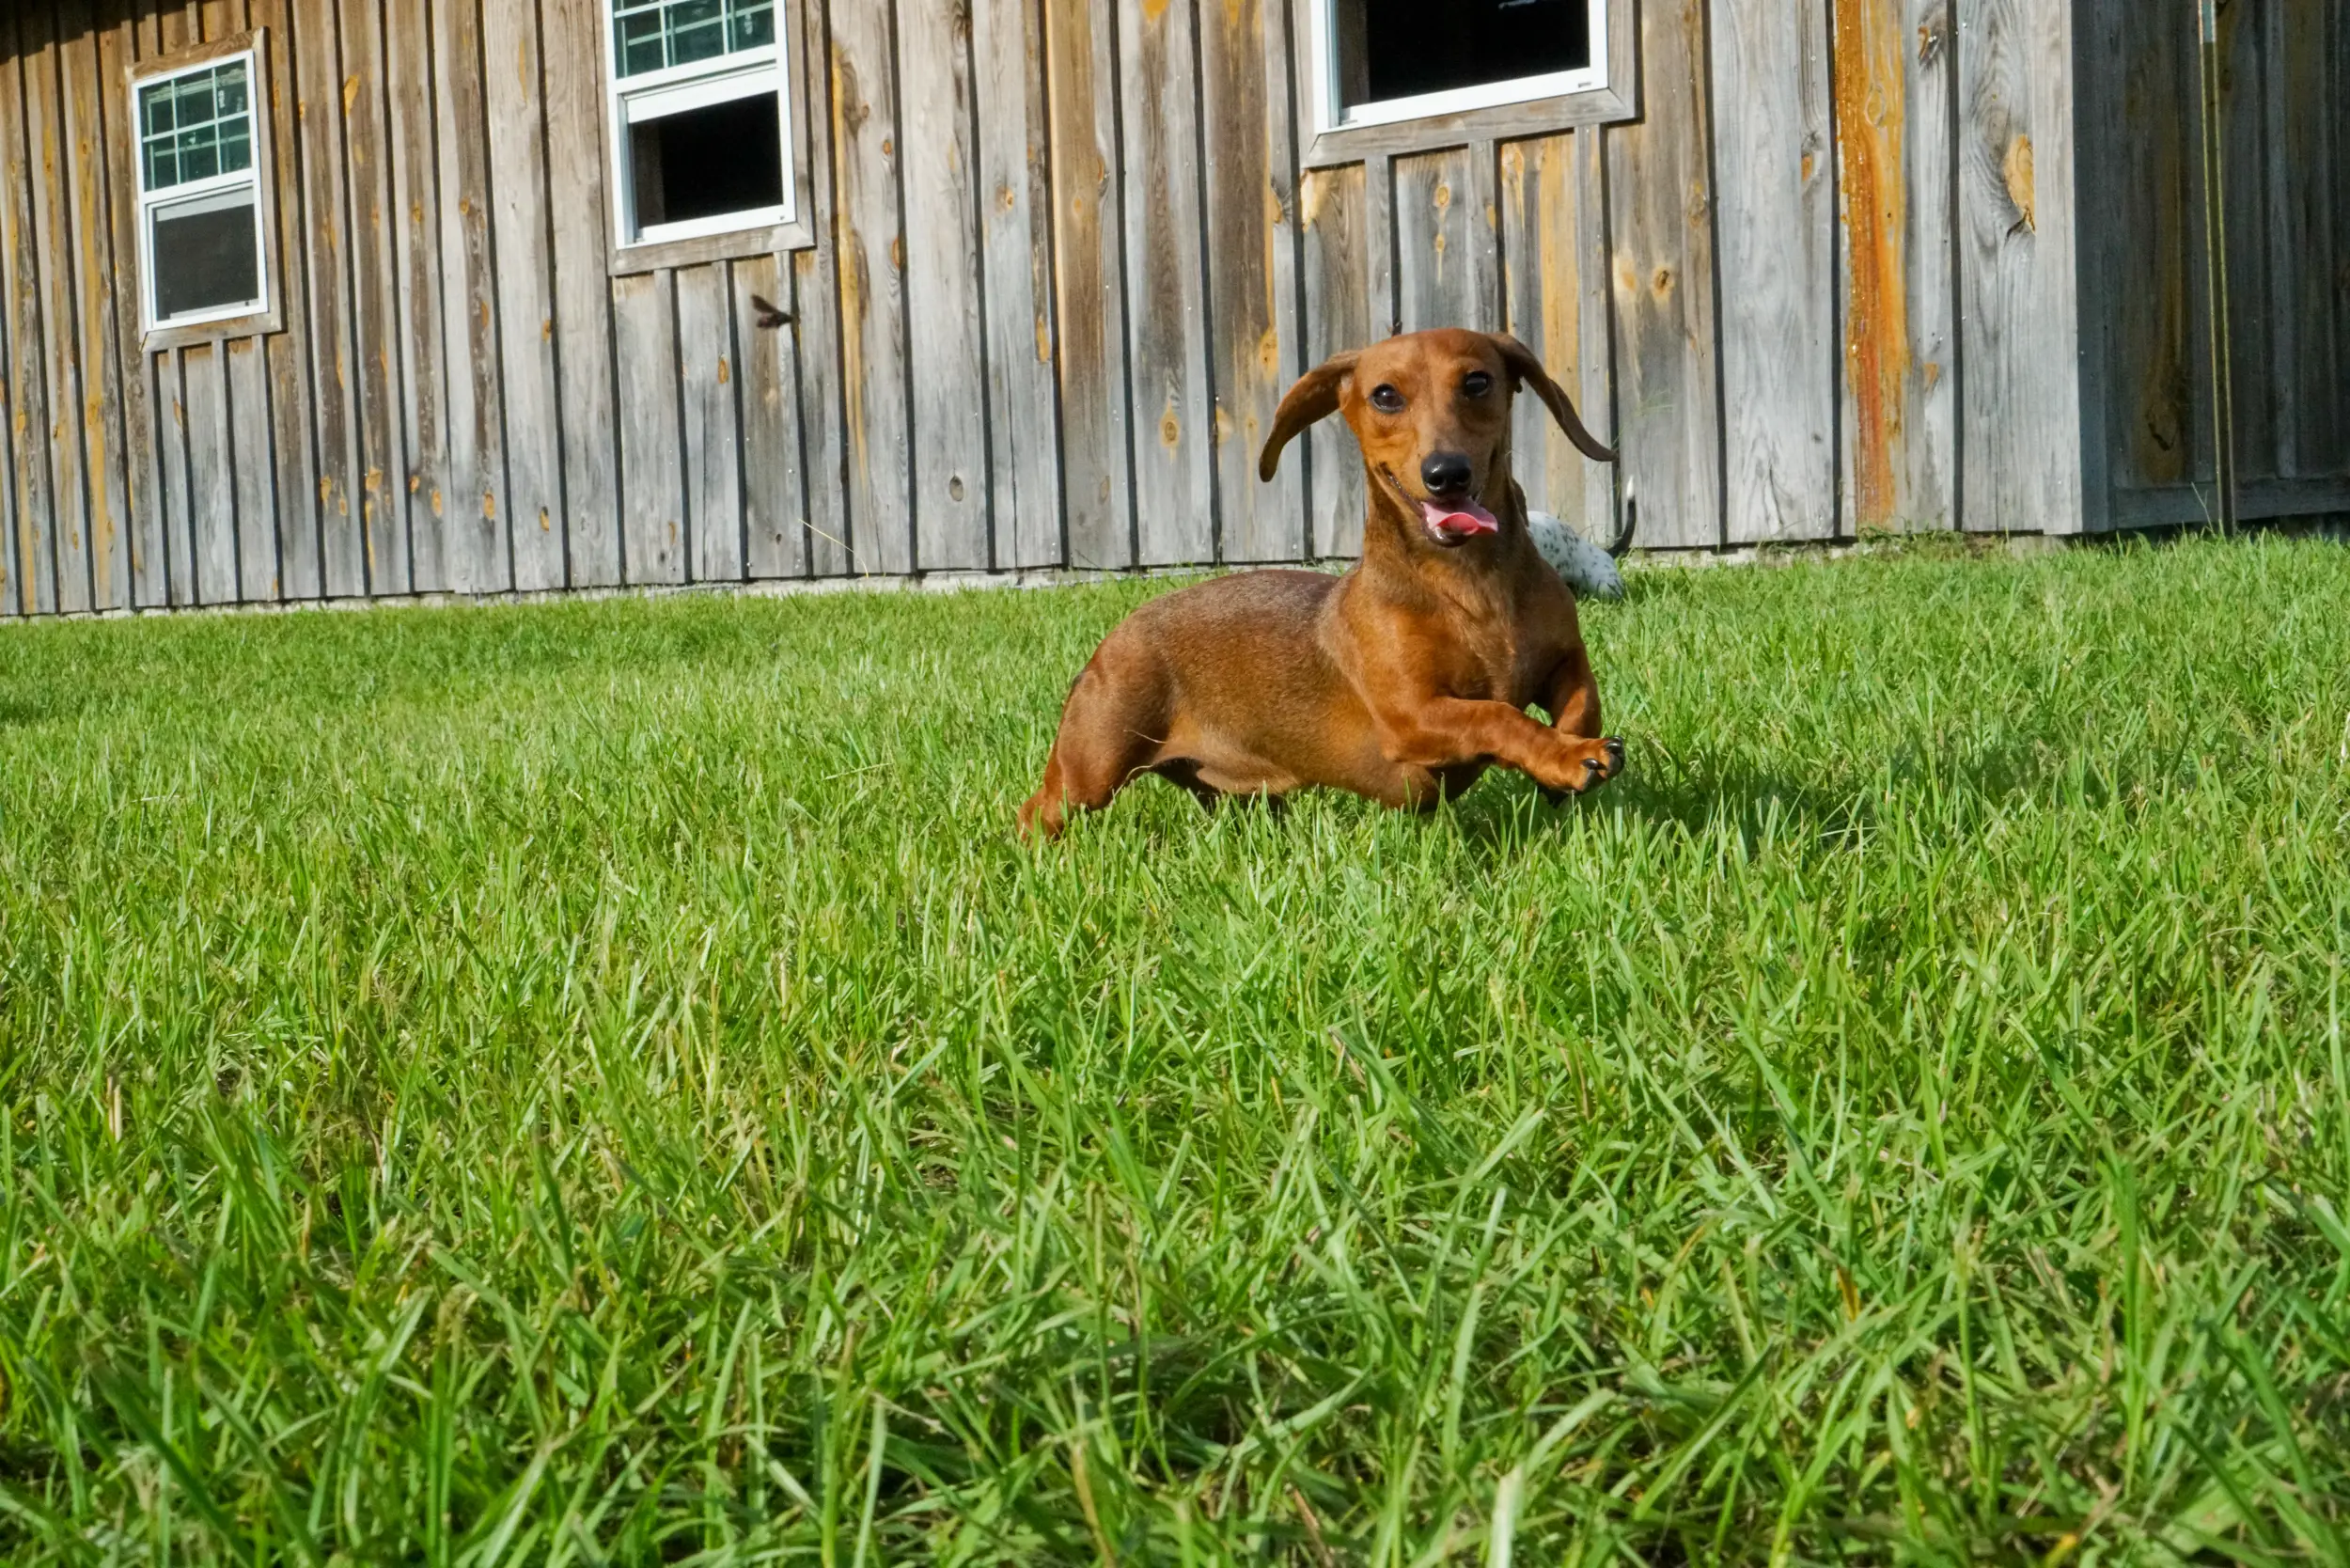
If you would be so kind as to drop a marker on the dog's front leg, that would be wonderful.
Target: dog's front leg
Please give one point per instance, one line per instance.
(1449, 732)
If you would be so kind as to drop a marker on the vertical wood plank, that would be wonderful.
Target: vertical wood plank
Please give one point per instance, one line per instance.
(872, 243)
(2253, 329)
(1894, 77)
(949, 483)
(29, 355)
(424, 490)
(1379, 227)
(2309, 133)
(245, 369)
(322, 258)
(52, 231)
(815, 334)
(1432, 201)
(2143, 203)
(573, 44)
(652, 474)
(478, 552)
(1603, 487)
(1016, 252)
(1252, 271)
(212, 474)
(1166, 302)
(2022, 434)
(514, 102)
(120, 46)
(1090, 285)
(178, 478)
(1542, 253)
(90, 215)
(291, 401)
(766, 394)
(1660, 192)
(1482, 233)
(707, 357)
(1331, 208)
(375, 273)
(1777, 225)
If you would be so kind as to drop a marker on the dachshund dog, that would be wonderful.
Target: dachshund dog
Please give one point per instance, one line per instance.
(1402, 680)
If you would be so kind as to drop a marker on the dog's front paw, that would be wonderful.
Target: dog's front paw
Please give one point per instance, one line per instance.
(1589, 764)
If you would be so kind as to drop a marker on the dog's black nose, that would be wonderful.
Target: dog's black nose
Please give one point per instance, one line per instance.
(1447, 474)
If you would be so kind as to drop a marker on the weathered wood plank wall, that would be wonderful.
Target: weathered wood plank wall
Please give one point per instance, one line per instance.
(1847, 271)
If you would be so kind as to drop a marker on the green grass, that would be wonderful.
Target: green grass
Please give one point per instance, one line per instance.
(601, 1082)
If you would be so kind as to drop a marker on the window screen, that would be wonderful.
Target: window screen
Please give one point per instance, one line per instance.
(655, 35)
(1394, 49)
(206, 255)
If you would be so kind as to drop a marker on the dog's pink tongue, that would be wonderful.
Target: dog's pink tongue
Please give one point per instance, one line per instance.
(1466, 522)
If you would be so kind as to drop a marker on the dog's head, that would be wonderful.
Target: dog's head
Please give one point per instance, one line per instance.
(1432, 412)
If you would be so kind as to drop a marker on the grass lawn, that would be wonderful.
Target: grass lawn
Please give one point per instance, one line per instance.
(601, 1082)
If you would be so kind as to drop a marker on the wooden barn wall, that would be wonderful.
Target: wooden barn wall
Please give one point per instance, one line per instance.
(1070, 257)
(2284, 79)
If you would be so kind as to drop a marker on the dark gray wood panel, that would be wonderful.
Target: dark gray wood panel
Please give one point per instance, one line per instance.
(707, 356)
(652, 471)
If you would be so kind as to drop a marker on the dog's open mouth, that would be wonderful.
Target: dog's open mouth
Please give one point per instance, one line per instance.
(1450, 524)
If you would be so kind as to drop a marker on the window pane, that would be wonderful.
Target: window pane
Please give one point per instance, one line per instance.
(206, 255)
(1479, 42)
(197, 125)
(754, 25)
(199, 155)
(641, 46)
(649, 34)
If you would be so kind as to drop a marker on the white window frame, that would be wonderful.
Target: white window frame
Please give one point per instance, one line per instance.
(254, 176)
(1335, 116)
(673, 89)
(1605, 92)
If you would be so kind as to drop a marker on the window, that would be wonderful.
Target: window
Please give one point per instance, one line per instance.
(701, 117)
(1485, 68)
(202, 237)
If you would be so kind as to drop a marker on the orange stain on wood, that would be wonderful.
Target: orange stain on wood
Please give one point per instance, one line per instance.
(1871, 105)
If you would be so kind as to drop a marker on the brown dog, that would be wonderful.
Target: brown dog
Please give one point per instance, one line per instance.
(1402, 680)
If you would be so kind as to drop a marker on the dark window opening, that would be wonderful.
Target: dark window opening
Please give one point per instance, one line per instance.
(709, 162)
(204, 256)
(1390, 49)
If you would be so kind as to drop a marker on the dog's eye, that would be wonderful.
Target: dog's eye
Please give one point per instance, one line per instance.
(1386, 400)
(1478, 384)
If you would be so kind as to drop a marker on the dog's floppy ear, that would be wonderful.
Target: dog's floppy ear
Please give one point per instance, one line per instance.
(1314, 398)
(1527, 371)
